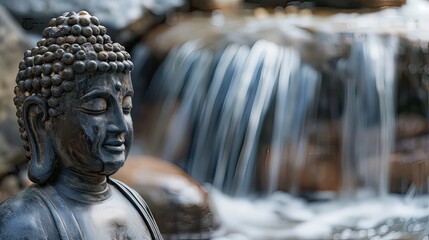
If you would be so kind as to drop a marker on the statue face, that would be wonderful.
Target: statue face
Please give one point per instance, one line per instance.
(94, 134)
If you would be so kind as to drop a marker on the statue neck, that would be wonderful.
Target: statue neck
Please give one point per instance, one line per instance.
(80, 187)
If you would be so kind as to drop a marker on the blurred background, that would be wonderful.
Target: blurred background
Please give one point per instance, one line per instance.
(260, 119)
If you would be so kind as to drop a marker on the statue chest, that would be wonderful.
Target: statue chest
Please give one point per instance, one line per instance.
(115, 218)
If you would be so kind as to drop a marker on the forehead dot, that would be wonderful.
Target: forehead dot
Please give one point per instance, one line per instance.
(118, 86)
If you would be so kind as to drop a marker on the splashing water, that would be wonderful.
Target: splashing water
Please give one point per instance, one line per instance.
(282, 216)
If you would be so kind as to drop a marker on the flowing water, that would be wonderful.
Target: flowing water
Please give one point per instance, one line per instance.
(268, 115)
(282, 216)
(369, 115)
(244, 100)
(225, 101)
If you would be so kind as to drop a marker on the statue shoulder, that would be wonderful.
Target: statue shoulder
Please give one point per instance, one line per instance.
(140, 206)
(25, 216)
(129, 192)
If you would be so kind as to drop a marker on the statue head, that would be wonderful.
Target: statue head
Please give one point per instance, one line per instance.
(73, 99)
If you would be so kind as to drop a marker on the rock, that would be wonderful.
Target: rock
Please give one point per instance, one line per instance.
(179, 204)
(8, 187)
(110, 13)
(11, 49)
(410, 165)
(411, 125)
(360, 3)
(322, 171)
(380, 3)
(210, 5)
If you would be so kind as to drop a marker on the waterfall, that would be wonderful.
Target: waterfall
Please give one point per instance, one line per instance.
(294, 106)
(369, 115)
(234, 103)
(298, 85)
(225, 100)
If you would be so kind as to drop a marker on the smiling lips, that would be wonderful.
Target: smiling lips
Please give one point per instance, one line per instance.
(115, 146)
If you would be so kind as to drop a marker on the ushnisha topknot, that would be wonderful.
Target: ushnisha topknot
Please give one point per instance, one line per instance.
(74, 43)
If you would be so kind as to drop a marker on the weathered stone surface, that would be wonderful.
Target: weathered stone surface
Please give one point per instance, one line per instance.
(411, 125)
(410, 165)
(11, 152)
(210, 5)
(8, 187)
(111, 13)
(360, 3)
(180, 205)
(11, 49)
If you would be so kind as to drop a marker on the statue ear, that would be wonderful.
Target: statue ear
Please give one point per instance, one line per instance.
(35, 114)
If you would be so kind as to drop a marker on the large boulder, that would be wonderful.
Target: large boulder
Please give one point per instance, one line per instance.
(111, 13)
(12, 49)
(179, 204)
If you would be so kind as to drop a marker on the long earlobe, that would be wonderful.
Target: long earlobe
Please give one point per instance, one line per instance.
(35, 113)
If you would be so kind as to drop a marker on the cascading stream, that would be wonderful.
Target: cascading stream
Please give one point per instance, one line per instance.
(260, 113)
(369, 116)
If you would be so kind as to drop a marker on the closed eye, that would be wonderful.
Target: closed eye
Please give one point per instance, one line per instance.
(94, 106)
(127, 104)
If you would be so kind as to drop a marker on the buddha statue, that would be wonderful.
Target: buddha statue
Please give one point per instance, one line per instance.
(73, 100)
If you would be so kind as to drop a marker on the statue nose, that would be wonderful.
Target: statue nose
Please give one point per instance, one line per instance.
(117, 126)
(114, 128)
(117, 123)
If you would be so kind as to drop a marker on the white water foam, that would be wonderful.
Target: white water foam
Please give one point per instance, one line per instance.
(282, 216)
